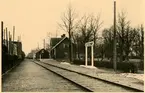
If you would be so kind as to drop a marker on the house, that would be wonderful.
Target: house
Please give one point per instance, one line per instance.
(32, 54)
(60, 48)
(17, 48)
(42, 53)
(13, 47)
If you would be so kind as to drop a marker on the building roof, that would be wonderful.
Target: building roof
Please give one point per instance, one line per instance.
(41, 50)
(62, 39)
(54, 41)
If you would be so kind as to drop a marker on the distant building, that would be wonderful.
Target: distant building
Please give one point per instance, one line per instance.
(44, 54)
(17, 48)
(13, 47)
(32, 53)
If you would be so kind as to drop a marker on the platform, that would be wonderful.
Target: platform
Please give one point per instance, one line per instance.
(121, 78)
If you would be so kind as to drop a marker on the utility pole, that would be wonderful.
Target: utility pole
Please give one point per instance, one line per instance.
(9, 42)
(13, 39)
(6, 37)
(44, 43)
(13, 33)
(49, 37)
(56, 33)
(71, 44)
(38, 45)
(20, 38)
(114, 43)
(2, 32)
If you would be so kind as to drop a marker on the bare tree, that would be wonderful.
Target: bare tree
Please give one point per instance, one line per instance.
(139, 41)
(108, 42)
(69, 25)
(142, 47)
(142, 42)
(94, 26)
(83, 34)
(130, 39)
(122, 25)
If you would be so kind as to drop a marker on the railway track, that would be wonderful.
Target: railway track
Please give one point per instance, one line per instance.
(80, 86)
(87, 82)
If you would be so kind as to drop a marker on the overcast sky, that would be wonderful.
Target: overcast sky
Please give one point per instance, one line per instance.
(33, 19)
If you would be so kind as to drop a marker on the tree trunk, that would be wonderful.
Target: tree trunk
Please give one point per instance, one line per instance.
(70, 46)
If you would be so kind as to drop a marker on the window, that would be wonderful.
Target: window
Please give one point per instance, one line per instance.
(63, 45)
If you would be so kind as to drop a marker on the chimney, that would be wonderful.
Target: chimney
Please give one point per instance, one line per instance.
(63, 35)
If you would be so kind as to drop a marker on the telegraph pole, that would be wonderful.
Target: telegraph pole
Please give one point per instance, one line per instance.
(56, 33)
(13, 33)
(114, 43)
(13, 39)
(38, 45)
(2, 32)
(44, 43)
(20, 38)
(9, 43)
(6, 37)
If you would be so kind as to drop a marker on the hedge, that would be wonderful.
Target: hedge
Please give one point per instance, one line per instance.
(123, 66)
(8, 61)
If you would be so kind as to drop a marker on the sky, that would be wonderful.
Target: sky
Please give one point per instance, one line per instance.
(35, 20)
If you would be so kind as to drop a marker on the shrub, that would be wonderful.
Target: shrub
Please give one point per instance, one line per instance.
(79, 62)
(141, 65)
(124, 66)
(103, 64)
(127, 66)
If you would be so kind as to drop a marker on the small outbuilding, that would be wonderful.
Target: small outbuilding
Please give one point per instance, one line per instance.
(43, 54)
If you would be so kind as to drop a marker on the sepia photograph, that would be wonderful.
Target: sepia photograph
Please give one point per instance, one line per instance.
(72, 45)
